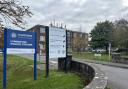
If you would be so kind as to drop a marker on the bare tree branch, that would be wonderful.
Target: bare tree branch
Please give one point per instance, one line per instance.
(14, 12)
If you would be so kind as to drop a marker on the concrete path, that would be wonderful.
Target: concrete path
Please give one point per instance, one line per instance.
(117, 77)
(117, 73)
(120, 65)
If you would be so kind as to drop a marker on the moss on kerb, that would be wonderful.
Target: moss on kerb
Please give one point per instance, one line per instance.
(99, 80)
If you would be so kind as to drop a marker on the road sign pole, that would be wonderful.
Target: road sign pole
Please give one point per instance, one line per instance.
(5, 57)
(66, 53)
(35, 59)
(4, 70)
(47, 51)
(109, 52)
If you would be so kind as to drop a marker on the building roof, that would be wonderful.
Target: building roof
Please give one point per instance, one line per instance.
(36, 26)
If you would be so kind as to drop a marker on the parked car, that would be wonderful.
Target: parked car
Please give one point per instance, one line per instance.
(100, 50)
(93, 50)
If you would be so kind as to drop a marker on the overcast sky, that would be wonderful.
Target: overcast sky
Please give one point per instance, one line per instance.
(75, 13)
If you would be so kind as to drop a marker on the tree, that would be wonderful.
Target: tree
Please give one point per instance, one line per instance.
(78, 43)
(101, 35)
(12, 11)
(121, 33)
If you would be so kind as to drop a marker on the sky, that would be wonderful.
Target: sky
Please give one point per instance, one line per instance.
(78, 15)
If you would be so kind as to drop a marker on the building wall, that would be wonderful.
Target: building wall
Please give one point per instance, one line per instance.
(73, 35)
(40, 30)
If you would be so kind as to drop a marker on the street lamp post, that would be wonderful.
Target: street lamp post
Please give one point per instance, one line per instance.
(109, 51)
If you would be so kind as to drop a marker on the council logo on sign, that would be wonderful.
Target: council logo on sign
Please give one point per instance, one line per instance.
(13, 35)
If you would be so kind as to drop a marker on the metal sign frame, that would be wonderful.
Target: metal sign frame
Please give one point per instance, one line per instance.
(57, 42)
(5, 56)
(47, 51)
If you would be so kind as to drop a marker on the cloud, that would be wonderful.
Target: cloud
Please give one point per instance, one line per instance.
(125, 2)
(76, 13)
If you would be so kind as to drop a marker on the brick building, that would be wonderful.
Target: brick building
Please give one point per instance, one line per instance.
(73, 40)
(71, 35)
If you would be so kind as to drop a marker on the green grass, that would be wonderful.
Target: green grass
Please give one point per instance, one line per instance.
(108, 88)
(20, 76)
(90, 56)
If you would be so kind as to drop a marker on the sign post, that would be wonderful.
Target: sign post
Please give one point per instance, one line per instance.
(19, 42)
(109, 51)
(5, 57)
(55, 45)
(66, 53)
(35, 59)
(47, 51)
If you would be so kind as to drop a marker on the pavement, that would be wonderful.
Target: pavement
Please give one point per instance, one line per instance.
(117, 73)
(117, 77)
(120, 65)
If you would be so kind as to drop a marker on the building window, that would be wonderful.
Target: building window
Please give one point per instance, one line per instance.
(41, 47)
(75, 35)
(33, 30)
(42, 30)
(68, 34)
(81, 35)
(86, 36)
(42, 38)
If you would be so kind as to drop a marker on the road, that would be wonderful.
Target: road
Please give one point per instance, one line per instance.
(117, 77)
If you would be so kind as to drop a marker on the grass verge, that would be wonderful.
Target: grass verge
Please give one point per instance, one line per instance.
(90, 56)
(20, 76)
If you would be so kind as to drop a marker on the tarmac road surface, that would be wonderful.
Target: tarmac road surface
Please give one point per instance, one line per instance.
(117, 77)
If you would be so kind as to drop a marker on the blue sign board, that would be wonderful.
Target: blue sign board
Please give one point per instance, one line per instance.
(19, 42)
(20, 39)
